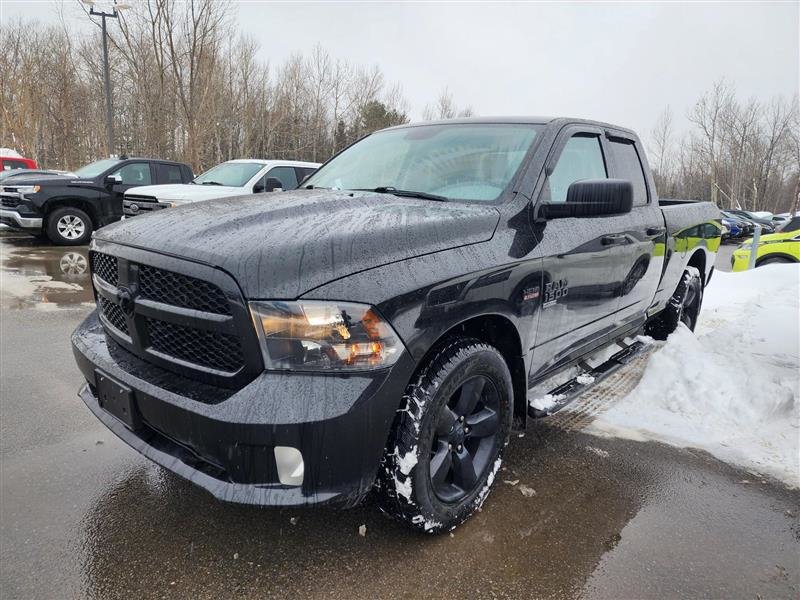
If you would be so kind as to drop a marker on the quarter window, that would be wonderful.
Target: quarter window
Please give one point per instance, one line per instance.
(135, 174)
(628, 166)
(581, 158)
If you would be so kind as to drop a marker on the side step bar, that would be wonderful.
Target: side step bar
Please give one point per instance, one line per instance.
(565, 393)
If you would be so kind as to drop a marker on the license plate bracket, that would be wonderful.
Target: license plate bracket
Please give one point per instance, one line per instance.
(118, 400)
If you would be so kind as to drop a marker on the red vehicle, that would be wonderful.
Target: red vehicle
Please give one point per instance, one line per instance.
(9, 159)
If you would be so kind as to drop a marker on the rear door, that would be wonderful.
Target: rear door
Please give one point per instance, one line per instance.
(582, 258)
(642, 256)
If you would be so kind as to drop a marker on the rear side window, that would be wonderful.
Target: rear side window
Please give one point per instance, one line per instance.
(135, 174)
(285, 175)
(169, 173)
(581, 158)
(303, 172)
(628, 165)
(11, 164)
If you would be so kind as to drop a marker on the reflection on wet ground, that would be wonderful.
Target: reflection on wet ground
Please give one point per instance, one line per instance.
(42, 276)
(571, 515)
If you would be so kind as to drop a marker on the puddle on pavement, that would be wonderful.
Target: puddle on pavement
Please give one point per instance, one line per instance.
(567, 518)
(43, 277)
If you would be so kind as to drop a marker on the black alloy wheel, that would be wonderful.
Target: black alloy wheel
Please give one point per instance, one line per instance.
(465, 440)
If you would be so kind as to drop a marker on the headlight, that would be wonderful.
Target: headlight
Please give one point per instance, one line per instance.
(28, 189)
(310, 335)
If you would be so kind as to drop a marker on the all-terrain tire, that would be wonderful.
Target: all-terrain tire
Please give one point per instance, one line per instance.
(683, 306)
(420, 437)
(69, 226)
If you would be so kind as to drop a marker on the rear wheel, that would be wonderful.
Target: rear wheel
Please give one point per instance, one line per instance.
(448, 438)
(683, 307)
(69, 226)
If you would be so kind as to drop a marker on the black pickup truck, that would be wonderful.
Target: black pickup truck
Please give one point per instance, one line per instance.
(382, 327)
(67, 208)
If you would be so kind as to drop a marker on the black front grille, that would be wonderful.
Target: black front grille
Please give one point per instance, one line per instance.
(114, 314)
(105, 266)
(181, 290)
(9, 201)
(188, 318)
(210, 349)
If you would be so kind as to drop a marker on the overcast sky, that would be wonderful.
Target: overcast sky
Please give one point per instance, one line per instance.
(620, 62)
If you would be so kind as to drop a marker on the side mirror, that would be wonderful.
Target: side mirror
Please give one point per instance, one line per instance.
(258, 188)
(273, 184)
(592, 198)
(113, 179)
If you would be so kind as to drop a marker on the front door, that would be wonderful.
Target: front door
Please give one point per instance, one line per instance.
(133, 174)
(582, 258)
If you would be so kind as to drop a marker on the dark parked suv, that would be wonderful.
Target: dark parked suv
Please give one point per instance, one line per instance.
(381, 328)
(67, 208)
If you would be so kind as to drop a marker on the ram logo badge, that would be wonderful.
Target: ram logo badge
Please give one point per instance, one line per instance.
(553, 291)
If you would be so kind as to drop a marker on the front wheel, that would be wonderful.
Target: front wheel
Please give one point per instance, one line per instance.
(774, 261)
(69, 226)
(448, 438)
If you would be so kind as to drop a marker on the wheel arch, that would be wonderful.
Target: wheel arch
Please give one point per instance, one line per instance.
(769, 255)
(73, 202)
(500, 332)
(698, 261)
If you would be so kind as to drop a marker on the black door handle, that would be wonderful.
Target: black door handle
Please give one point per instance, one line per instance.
(655, 231)
(613, 239)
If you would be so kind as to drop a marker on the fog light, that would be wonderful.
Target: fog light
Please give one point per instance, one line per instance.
(290, 465)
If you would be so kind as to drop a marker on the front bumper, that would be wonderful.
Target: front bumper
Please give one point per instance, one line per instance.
(224, 440)
(13, 219)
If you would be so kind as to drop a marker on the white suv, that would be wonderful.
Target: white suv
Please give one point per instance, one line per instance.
(233, 178)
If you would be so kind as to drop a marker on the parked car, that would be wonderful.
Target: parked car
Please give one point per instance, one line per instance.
(67, 208)
(232, 178)
(11, 160)
(767, 226)
(773, 248)
(386, 321)
(732, 229)
(745, 226)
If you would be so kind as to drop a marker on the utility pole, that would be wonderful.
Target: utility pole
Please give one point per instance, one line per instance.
(114, 14)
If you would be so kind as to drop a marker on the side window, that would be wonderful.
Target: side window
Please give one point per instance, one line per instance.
(169, 173)
(10, 164)
(628, 166)
(285, 175)
(135, 174)
(581, 158)
(303, 172)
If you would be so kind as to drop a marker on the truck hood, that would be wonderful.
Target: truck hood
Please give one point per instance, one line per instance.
(280, 246)
(185, 192)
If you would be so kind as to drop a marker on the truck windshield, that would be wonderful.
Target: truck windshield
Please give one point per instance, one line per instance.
(452, 161)
(234, 174)
(94, 169)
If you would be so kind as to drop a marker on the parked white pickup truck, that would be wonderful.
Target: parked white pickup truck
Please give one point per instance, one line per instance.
(232, 178)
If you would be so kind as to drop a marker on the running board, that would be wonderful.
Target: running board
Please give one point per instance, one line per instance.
(565, 393)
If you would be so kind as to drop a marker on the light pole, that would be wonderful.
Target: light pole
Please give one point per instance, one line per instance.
(115, 8)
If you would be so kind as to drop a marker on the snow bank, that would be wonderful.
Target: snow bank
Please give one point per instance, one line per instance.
(732, 389)
(9, 153)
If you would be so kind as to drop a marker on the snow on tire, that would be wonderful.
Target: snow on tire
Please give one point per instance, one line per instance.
(447, 442)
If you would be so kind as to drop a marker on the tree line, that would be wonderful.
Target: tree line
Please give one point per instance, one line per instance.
(737, 154)
(186, 86)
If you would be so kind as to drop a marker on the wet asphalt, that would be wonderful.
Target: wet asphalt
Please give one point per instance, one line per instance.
(571, 515)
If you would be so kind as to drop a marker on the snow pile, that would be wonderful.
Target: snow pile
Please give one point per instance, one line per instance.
(9, 153)
(732, 389)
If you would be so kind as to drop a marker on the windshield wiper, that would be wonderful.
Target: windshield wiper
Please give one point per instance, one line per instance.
(387, 189)
(211, 183)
